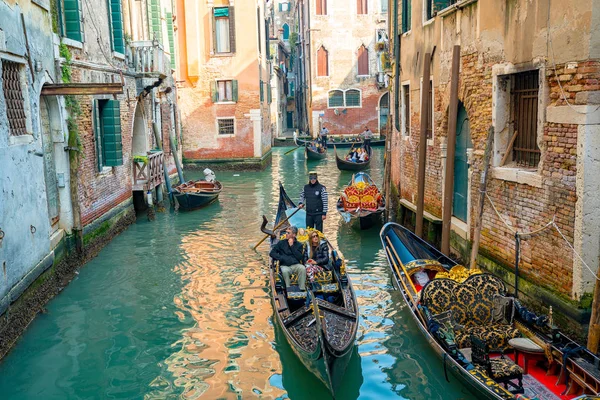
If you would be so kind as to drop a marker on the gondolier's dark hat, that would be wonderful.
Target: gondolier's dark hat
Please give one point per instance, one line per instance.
(312, 173)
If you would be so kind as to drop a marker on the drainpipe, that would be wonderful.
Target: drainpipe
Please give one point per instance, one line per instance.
(397, 69)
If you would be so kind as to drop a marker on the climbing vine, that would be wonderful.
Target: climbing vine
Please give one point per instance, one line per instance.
(73, 107)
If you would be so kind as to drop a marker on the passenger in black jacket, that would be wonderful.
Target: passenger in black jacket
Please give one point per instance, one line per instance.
(315, 200)
(318, 251)
(291, 256)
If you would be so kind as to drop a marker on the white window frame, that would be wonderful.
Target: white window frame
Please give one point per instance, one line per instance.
(368, 62)
(360, 98)
(406, 128)
(430, 141)
(424, 14)
(219, 101)
(226, 135)
(343, 98)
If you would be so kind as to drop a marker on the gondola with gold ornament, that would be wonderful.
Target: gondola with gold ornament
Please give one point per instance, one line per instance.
(320, 324)
(361, 201)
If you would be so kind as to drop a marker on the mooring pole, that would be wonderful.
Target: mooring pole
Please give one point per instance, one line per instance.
(425, 104)
(451, 142)
(517, 251)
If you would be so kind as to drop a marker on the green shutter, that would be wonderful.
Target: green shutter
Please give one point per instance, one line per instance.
(214, 91)
(221, 12)
(269, 94)
(97, 133)
(234, 90)
(111, 134)
(117, 26)
(406, 15)
(231, 30)
(171, 38)
(262, 95)
(155, 31)
(73, 20)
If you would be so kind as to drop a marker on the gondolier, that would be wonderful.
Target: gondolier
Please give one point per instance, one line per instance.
(323, 135)
(313, 198)
(367, 135)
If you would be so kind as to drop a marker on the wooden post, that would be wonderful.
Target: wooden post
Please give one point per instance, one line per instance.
(425, 103)
(482, 187)
(594, 329)
(451, 142)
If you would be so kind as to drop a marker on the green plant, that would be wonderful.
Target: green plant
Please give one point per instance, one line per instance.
(293, 40)
(142, 159)
(73, 108)
(128, 39)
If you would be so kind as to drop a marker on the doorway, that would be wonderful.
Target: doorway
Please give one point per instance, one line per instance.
(384, 112)
(461, 165)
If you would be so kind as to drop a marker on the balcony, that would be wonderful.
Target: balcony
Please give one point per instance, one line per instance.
(148, 60)
(148, 171)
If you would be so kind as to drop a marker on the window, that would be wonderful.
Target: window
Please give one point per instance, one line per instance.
(361, 7)
(384, 6)
(107, 131)
(406, 15)
(171, 37)
(262, 92)
(321, 7)
(71, 27)
(284, 6)
(226, 126)
(322, 62)
(286, 32)
(352, 98)
(223, 30)
(439, 5)
(427, 10)
(405, 110)
(13, 95)
(291, 89)
(363, 61)
(225, 91)
(155, 19)
(116, 24)
(429, 111)
(524, 110)
(336, 99)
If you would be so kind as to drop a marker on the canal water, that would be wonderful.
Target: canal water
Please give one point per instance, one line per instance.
(178, 308)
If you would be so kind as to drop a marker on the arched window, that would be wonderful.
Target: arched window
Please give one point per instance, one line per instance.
(336, 99)
(363, 60)
(353, 98)
(322, 62)
(286, 32)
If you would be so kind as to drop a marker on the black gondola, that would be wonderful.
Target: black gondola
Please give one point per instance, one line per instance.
(192, 195)
(344, 165)
(322, 330)
(366, 216)
(331, 143)
(489, 374)
(312, 154)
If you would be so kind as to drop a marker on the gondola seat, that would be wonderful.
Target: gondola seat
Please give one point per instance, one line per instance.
(501, 369)
(472, 306)
(324, 283)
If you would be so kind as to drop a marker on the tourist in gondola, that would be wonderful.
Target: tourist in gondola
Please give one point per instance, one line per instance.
(291, 255)
(313, 198)
(367, 135)
(318, 251)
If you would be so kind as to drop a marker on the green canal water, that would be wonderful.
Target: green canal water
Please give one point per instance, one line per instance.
(178, 308)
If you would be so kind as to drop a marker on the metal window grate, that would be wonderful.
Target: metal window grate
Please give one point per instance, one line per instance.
(526, 152)
(13, 94)
(226, 126)
(336, 98)
(353, 98)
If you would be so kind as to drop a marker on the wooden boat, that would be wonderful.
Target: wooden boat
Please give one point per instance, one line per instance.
(312, 154)
(409, 255)
(192, 195)
(369, 204)
(332, 142)
(322, 330)
(344, 165)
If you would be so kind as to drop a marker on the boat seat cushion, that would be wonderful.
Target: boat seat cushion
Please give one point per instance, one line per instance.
(496, 336)
(324, 283)
(504, 368)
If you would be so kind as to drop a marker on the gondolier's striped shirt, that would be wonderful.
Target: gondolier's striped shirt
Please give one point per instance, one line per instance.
(324, 198)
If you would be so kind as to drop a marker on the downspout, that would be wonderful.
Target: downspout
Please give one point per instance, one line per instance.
(397, 68)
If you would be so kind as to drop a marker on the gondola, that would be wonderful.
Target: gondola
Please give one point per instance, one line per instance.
(344, 165)
(331, 143)
(312, 154)
(192, 195)
(361, 201)
(321, 330)
(430, 282)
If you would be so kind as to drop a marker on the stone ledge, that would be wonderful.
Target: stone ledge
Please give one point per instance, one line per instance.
(230, 164)
(517, 175)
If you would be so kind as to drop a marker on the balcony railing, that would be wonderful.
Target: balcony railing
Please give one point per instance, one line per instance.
(148, 174)
(148, 57)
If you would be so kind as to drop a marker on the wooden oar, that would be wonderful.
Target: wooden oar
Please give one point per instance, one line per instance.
(402, 265)
(289, 151)
(274, 229)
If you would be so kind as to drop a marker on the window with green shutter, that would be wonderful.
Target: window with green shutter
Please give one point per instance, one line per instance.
(269, 94)
(262, 95)
(116, 22)
(224, 91)
(154, 17)
(171, 38)
(406, 15)
(107, 131)
(72, 24)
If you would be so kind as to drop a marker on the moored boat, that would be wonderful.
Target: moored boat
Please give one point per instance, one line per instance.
(332, 142)
(192, 195)
(361, 201)
(321, 330)
(470, 320)
(345, 165)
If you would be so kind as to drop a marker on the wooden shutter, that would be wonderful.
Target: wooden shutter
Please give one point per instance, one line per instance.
(171, 38)
(97, 133)
(234, 90)
(269, 94)
(155, 31)
(361, 7)
(73, 20)
(363, 61)
(231, 30)
(322, 62)
(321, 7)
(262, 95)
(214, 91)
(116, 17)
(111, 134)
(324, 6)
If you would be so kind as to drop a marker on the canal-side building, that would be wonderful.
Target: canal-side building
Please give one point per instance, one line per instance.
(224, 82)
(531, 72)
(345, 80)
(83, 85)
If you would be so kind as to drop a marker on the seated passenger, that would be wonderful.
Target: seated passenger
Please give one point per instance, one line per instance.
(319, 255)
(363, 156)
(292, 257)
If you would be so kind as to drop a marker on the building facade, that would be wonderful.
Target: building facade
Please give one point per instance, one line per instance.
(224, 82)
(345, 78)
(530, 72)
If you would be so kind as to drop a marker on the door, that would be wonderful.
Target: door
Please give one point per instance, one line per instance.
(461, 166)
(290, 120)
(49, 166)
(384, 111)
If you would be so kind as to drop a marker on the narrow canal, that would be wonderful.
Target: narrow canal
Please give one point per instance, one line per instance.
(179, 308)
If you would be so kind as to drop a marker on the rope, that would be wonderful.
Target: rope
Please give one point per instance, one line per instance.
(577, 254)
